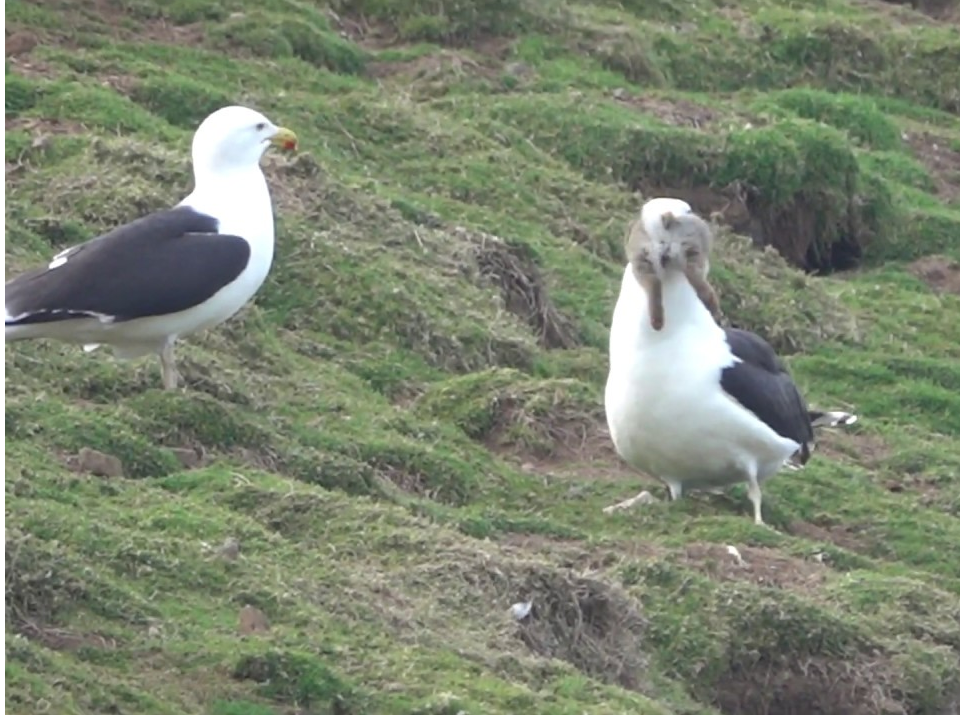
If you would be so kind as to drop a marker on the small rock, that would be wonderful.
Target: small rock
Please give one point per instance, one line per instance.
(252, 621)
(619, 93)
(98, 463)
(230, 549)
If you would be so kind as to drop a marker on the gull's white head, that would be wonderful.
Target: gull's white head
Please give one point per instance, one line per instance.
(234, 138)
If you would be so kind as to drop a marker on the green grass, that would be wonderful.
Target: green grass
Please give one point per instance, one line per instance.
(405, 432)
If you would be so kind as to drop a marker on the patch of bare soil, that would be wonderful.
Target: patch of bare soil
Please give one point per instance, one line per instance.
(491, 46)
(42, 128)
(839, 535)
(535, 543)
(761, 566)
(579, 555)
(374, 34)
(938, 9)
(941, 273)
(952, 15)
(940, 159)
(161, 31)
(30, 68)
(157, 29)
(19, 43)
(435, 69)
(191, 457)
(368, 33)
(103, 17)
(431, 75)
(593, 458)
(261, 459)
(94, 462)
(60, 639)
(123, 84)
(675, 111)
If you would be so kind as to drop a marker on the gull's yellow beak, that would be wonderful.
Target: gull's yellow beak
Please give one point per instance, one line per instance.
(284, 138)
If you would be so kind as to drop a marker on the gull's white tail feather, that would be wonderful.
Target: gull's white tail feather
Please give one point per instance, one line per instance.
(831, 418)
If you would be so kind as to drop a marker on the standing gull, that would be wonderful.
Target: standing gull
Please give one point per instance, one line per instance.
(169, 274)
(698, 406)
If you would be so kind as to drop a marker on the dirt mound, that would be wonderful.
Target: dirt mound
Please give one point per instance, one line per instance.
(562, 432)
(675, 111)
(513, 269)
(814, 686)
(38, 583)
(590, 624)
(537, 418)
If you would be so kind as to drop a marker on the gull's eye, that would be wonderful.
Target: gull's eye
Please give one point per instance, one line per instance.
(261, 126)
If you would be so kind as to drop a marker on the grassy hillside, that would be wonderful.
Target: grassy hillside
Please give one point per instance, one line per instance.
(404, 435)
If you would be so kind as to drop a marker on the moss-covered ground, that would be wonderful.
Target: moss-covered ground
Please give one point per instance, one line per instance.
(403, 435)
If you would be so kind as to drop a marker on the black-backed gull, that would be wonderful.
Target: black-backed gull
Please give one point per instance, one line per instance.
(143, 285)
(698, 406)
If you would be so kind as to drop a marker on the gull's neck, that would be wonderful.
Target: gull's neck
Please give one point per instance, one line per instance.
(235, 191)
(240, 200)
